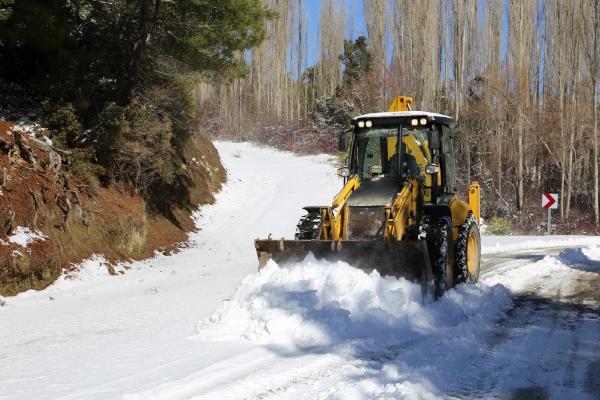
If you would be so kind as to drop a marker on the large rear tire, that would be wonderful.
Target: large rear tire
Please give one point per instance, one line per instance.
(438, 230)
(308, 226)
(467, 252)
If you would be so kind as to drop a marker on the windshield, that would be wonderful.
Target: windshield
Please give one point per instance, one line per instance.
(375, 153)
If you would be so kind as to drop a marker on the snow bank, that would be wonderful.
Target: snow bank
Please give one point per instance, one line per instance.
(521, 277)
(321, 303)
(503, 244)
(586, 259)
(592, 253)
(90, 274)
(23, 236)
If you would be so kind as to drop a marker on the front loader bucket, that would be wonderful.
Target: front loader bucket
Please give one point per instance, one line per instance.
(408, 259)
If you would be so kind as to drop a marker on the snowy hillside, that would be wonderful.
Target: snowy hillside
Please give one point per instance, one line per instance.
(202, 324)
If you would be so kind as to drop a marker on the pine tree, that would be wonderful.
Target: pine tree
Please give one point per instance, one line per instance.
(5, 9)
(357, 60)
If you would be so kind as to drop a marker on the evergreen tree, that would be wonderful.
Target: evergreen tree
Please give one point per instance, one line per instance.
(107, 47)
(114, 77)
(5, 9)
(357, 60)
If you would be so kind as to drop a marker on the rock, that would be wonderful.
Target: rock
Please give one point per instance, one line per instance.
(25, 150)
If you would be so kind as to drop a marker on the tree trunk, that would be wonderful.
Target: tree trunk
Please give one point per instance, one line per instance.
(571, 146)
(570, 169)
(139, 48)
(596, 204)
(520, 183)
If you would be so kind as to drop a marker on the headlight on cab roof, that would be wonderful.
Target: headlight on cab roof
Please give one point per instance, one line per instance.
(361, 124)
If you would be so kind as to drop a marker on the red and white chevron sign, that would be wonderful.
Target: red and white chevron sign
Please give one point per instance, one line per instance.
(550, 200)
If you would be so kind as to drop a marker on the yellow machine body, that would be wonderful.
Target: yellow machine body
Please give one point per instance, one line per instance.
(397, 250)
(401, 103)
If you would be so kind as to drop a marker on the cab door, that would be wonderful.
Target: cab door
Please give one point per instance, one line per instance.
(448, 161)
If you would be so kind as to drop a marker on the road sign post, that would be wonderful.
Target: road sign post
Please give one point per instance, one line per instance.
(550, 201)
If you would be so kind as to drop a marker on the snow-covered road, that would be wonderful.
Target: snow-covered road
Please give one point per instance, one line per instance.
(201, 324)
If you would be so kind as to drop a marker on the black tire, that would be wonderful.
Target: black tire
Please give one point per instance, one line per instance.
(308, 226)
(437, 231)
(462, 272)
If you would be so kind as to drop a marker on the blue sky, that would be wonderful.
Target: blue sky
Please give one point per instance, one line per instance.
(312, 13)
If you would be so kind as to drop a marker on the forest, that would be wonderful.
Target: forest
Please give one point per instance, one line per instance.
(113, 81)
(520, 77)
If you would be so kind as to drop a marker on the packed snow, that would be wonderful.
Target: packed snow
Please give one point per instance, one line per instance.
(204, 324)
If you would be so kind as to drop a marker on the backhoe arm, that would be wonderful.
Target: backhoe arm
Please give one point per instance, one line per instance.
(402, 213)
(335, 218)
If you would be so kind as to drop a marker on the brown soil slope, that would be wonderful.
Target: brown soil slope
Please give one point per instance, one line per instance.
(38, 192)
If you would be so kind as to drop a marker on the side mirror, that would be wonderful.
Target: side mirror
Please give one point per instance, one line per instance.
(343, 172)
(432, 169)
(434, 139)
(343, 144)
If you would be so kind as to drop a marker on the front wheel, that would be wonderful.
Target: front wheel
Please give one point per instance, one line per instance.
(309, 225)
(467, 252)
(438, 231)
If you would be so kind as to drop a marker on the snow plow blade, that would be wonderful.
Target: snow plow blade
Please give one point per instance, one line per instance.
(408, 259)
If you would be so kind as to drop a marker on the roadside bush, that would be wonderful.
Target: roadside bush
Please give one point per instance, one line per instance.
(331, 114)
(145, 157)
(173, 101)
(63, 121)
(112, 126)
(85, 170)
(139, 147)
(499, 226)
(138, 144)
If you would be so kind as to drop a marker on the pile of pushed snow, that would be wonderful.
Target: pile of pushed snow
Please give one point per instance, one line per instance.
(321, 303)
(587, 258)
(23, 236)
(592, 253)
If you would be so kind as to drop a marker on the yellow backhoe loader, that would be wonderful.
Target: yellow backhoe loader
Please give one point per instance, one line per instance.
(398, 212)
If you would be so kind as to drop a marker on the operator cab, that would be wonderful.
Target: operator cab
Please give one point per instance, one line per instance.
(383, 162)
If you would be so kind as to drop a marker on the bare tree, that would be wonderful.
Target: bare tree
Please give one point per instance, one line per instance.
(589, 34)
(375, 16)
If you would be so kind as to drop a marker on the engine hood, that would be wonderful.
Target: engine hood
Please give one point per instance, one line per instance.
(378, 192)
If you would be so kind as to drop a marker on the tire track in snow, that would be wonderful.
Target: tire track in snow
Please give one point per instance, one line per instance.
(531, 353)
(547, 328)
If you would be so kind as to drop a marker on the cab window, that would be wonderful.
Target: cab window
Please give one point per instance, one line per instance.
(375, 152)
(448, 161)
